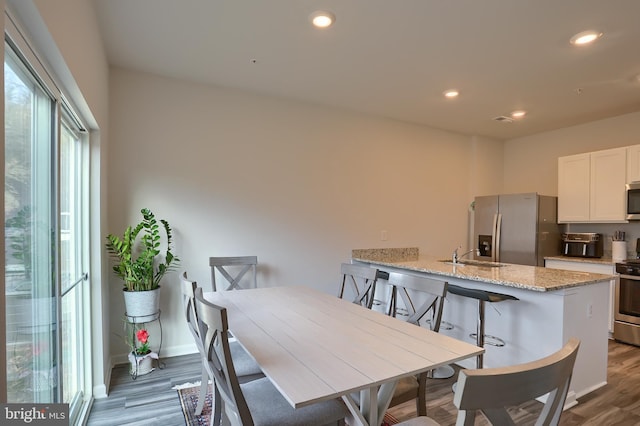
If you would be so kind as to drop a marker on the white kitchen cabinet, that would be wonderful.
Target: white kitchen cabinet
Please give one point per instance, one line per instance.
(633, 163)
(574, 188)
(596, 268)
(591, 187)
(608, 179)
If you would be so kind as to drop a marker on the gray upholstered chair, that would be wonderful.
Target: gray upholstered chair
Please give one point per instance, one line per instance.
(257, 402)
(493, 390)
(363, 282)
(246, 367)
(233, 270)
(431, 293)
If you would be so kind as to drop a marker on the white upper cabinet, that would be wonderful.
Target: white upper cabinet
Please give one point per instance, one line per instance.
(574, 188)
(633, 163)
(608, 179)
(591, 187)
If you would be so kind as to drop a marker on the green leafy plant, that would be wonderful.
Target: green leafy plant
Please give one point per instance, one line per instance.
(139, 263)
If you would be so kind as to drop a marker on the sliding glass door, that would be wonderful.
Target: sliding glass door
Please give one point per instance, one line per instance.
(46, 249)
(32, 351)
(74, 297)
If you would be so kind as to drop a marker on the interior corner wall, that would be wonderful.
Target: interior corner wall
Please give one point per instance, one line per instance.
(487, 166)
(531, 163)
(298, 185)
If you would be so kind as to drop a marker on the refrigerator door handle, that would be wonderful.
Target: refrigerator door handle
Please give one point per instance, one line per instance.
(493, 237)
(498, 226)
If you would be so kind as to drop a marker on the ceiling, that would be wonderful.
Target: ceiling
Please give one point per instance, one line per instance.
(394, 58)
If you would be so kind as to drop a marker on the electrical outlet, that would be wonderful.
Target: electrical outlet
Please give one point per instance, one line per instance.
(589, 310)
(383, 235)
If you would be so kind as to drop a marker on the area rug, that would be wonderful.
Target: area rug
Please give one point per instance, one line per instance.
(189, 400)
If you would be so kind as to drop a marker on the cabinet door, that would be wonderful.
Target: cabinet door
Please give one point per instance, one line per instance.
(608, 178)
(574, 188)
(633, 163)
(596, 268)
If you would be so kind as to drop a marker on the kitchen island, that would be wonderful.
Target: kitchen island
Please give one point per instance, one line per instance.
(553, 306)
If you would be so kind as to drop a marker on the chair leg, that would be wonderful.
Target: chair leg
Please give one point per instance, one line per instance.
(204, 387)
(421, 400)
(480, 329)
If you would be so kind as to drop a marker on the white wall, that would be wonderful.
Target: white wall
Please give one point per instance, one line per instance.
(531, 163)
(295, 184)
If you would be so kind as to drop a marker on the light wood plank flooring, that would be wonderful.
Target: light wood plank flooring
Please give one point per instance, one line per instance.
(149, 400)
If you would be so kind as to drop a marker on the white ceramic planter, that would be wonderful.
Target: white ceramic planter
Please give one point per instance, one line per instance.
(141, 364)
(142, 306)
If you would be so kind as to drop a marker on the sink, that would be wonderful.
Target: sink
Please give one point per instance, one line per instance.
(478, 263)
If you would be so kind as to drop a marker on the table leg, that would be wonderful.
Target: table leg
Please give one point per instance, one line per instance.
(374, 402)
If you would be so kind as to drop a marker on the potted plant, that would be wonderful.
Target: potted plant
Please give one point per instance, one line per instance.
(141, 264)
(141, 355)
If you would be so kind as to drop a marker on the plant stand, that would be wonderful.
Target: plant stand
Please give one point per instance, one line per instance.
(131, 321)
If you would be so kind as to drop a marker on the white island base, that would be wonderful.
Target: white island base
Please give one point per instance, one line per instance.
(536, 325)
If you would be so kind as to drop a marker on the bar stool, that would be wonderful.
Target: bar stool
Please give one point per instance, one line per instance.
(481, 296)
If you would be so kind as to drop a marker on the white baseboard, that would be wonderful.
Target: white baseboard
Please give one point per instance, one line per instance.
(102, 390)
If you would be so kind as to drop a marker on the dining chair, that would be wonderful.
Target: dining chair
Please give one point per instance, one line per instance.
(431, 293)
(247, 368)
(257, 402)
(492, 390)
(233, 270)
(363, 282)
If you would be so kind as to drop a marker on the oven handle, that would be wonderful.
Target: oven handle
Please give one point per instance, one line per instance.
(630, 277)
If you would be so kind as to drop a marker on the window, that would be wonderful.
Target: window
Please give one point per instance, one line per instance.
(46, 193)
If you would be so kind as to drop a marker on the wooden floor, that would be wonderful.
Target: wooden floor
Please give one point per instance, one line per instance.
(149, 400)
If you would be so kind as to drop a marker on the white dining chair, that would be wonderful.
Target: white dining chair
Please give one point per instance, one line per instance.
(362, 280)
(431, 293)
(257, 402)
(246, 367)
(493, 390)
(233, 270)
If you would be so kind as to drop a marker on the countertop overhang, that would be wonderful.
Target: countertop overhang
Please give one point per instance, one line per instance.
(518, 276)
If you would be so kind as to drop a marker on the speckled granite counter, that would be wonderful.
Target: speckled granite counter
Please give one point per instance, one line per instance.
(519, 276)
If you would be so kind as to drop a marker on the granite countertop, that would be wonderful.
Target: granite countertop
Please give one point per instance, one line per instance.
(520, 276)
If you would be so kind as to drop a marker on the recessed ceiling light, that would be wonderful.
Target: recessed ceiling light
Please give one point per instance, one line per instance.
(518, 114)
(322, 19)
(451, 93)
(585, 37)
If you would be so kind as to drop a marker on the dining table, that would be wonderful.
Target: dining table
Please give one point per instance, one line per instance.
(314, 346)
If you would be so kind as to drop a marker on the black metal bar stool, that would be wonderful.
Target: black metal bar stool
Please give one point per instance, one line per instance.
(481, 296)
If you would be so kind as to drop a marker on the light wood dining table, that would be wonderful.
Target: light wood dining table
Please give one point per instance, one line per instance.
(315, 347)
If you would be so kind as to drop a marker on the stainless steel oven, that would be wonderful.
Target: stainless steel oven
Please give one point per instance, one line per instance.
(633, 201)
(626, 326)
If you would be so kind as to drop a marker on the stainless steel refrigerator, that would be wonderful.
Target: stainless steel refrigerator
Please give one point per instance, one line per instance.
(516, 228)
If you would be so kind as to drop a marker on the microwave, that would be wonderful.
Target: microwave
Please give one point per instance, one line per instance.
(633, 201)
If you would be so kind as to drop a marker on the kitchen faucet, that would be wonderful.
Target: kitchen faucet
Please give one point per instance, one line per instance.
(456, 256)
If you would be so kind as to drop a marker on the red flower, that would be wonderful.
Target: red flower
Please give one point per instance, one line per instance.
(143, 336)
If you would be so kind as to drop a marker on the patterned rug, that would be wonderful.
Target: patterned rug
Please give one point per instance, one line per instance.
(189, 399)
